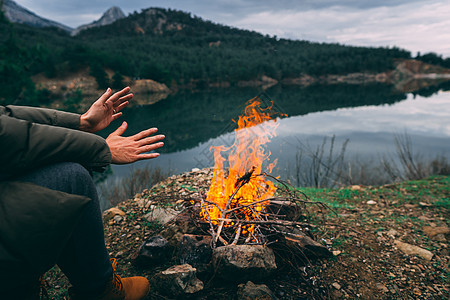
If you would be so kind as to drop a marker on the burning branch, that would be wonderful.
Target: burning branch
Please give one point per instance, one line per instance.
(238, 234)
(265, 222)
(245, 178)
(210, 223)
(242, 195)
(242, 180)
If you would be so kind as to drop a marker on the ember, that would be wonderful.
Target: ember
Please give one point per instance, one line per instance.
(244, 193)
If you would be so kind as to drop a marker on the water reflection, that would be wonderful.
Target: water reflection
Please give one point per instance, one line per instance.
(370, 130)
(189, 119)
(368, 116)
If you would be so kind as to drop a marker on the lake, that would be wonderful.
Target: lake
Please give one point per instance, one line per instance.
(368, 117)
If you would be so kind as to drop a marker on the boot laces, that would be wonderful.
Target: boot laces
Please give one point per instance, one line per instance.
(116, 280)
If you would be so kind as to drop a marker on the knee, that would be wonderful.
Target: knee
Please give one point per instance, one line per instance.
(70, 171)
(67, 177)
(73, 178)
(75, 173)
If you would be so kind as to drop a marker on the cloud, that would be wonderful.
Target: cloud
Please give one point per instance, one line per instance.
(416, 27)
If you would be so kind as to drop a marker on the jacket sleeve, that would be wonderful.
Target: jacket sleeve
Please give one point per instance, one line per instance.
(25, 145)
(42, 116)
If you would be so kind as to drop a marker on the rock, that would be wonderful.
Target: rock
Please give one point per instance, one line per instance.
(176, 281)
(154, 251)
(161, 215)
(111, 213)
(302, 245)
(251, 291)
(413, 250)
(196, 251)
(243, 262)
(118, 219)
(382, 287)
(335, 294)
(371, 202)
(336, 285)
(392, 233)
(434, 231)
(175, 231)
(148, 85)
(336, 252)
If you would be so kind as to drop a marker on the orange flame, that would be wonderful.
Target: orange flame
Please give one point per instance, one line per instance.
(255, 128)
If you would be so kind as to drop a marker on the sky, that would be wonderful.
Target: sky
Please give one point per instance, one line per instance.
(415, 25)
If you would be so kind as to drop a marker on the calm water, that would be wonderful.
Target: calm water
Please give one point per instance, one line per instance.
(368, 116)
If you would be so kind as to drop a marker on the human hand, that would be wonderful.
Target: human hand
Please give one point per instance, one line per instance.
(125, 150)
(105, 110)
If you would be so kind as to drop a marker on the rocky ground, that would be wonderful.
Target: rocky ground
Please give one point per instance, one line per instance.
(388, 242)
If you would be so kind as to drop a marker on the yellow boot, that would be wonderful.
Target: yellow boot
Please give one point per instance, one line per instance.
(131, 288)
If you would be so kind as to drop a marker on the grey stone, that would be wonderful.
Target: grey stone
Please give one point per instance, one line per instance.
(161, 215)
(437, 233)
(243, 262)
(118, 219)
(336, 285)
(176, 281)
(196, 250)
(251, 291)
(154, 251)
(413, 250)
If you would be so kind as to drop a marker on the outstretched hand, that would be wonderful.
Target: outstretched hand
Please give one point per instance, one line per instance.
(105, 110)
(130, 149)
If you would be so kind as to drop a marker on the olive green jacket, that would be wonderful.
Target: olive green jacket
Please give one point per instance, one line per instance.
(35, 222)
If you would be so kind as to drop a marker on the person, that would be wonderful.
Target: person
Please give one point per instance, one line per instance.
(49, 208)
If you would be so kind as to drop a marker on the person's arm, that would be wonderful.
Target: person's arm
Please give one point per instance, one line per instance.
(42, 116)
(105, 110)
(25, 145)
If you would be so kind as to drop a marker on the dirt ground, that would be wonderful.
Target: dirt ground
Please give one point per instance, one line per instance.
(388, 242)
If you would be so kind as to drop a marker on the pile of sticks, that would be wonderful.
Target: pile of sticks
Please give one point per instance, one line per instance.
(232, 229)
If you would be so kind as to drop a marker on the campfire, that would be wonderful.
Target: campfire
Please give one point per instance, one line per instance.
(248, 225)
(238, 197)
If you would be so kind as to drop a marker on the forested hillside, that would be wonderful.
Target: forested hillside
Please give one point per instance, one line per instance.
(168, 45)
(175, 48)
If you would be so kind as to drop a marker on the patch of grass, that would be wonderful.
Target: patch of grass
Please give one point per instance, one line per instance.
(443, 203)
(339, 242)
(152, 226)
(189, 188)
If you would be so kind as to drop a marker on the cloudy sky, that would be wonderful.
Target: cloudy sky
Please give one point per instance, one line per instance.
(415, 25)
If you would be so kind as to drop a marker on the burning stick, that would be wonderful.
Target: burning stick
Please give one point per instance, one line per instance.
(245, 178)
(246, 156)
(238, 234)
(242, 180)
(268, 222)
(210, 224)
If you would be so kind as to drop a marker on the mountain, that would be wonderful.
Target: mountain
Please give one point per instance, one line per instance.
(110, 16)
(182, 51)
(18, 14)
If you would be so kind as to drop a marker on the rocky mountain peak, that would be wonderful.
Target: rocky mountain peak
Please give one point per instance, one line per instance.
(110, 16)
(18, 14)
